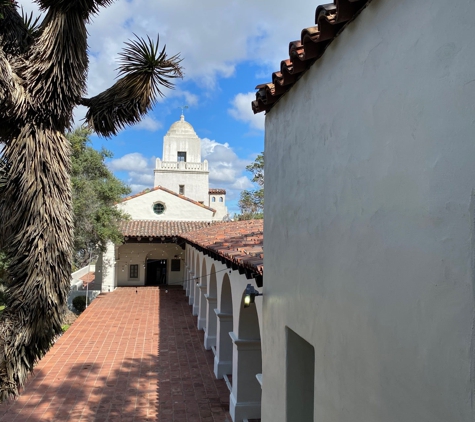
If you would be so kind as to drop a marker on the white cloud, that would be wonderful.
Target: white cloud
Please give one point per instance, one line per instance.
(241, 110)
(225, 167)
(148, 123)
(139, 170)
(129, 162)
(212, 36)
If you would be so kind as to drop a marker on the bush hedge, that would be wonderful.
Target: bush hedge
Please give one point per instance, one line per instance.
(79, 303)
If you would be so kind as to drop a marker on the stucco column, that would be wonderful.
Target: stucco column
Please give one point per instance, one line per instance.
(202, 308)
(189, 276)
(185, 275)
(109, 276)
(196, 297)
(245, 398)
(211, 322)
(223, 363)
(191, 288)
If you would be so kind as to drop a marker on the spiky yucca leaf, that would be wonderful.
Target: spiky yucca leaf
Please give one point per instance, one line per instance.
(143, 69)
(31, 23)
(14, 37)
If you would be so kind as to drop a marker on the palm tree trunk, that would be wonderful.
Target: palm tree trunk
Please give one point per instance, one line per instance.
(37, 203)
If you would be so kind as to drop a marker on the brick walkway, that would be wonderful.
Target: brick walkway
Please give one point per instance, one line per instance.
(129, 357)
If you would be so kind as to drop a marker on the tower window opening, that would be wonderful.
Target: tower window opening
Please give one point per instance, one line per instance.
(181, 189)
(221, 199)
(213, 199)
(181, 156)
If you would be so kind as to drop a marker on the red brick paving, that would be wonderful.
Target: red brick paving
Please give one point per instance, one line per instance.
(129, 357)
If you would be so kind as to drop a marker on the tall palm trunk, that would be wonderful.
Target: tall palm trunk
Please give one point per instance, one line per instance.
(39, 195)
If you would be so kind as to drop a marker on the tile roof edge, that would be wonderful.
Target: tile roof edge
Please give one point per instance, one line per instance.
(330, 20)
(170, 192)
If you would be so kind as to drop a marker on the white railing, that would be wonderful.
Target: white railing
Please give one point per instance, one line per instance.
(181, 165)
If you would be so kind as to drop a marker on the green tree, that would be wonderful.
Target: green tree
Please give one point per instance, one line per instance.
(95, 192)
(251, 202)
(43, 70)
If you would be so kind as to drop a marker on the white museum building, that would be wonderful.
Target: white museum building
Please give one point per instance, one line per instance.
(180, 201)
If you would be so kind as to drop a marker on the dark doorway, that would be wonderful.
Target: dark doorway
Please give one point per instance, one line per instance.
(156, 272)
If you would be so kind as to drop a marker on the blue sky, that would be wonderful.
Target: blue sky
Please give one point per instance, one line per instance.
(228, 48)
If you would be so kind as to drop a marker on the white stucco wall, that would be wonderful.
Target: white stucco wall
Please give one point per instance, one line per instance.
(219, 205)
(196, 182)
(176, 208)
(369, 228)
(139, 253)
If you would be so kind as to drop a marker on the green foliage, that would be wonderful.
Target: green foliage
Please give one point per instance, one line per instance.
(95, 192)
(79, 303)
(251, 202)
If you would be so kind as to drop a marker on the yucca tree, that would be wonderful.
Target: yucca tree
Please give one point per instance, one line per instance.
(43, 69)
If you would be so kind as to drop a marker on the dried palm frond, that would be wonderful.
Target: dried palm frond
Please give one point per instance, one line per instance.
(83, 7)
(143, 70)
(56, 71)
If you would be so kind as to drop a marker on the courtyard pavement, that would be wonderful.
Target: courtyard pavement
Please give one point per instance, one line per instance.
(133, 355)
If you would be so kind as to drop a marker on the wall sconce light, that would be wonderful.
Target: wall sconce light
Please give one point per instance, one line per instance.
(251, 293)
(197, 281)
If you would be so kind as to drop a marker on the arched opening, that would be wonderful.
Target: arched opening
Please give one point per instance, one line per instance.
(203, 286)
(211, 319)
(245, 400)
(223, 361)
(221, 199)
(195, 287)
(213, 199)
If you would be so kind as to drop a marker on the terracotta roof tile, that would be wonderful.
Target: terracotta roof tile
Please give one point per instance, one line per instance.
(170, 192)
(88, 278)
(154, 228)
(217, 192)
(241, 242)
(330, 20)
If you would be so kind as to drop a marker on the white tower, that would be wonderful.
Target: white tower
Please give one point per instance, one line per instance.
(181, 169)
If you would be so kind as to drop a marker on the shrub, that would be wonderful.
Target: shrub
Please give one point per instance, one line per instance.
(79, 303)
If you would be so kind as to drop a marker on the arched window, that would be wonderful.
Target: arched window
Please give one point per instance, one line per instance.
(213, 199)
(221, 199)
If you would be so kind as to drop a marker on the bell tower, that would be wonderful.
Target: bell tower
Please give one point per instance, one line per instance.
(181, 169)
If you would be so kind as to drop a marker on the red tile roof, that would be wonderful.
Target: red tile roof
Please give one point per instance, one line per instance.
(154, 228)
(88, 278)
(170, 192)
(330, 20)
(241, 242)
(217, 192)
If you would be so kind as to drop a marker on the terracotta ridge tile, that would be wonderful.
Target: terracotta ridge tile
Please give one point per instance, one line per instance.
(330, 20)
